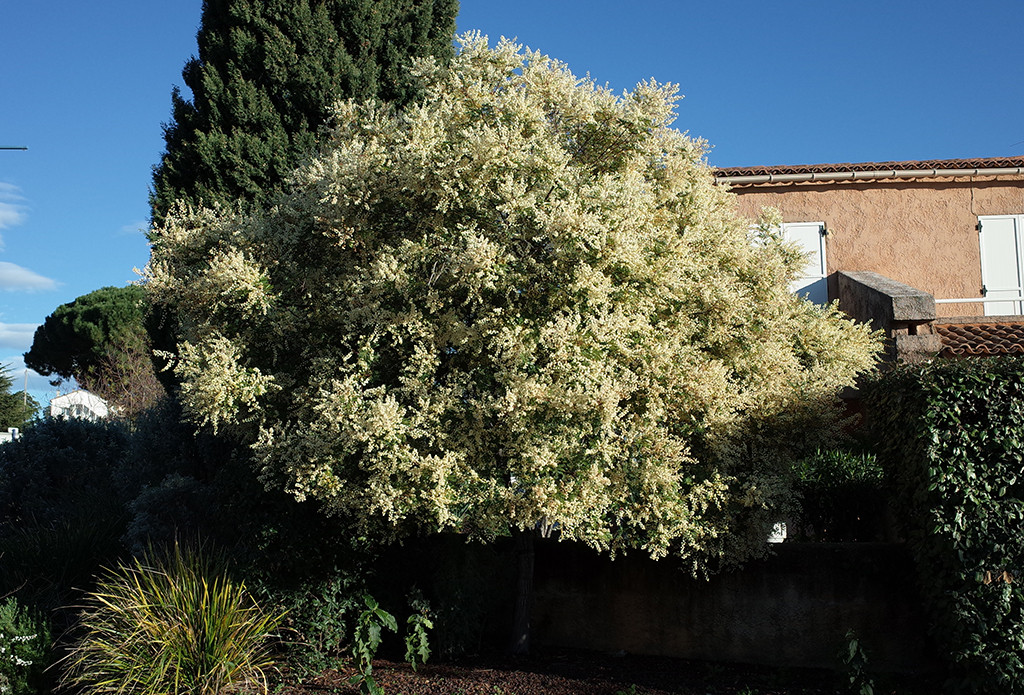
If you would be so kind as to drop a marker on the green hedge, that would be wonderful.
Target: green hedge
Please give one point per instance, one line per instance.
(951, 437)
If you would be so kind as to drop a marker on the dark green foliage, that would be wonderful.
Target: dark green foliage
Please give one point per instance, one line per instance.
(75, 338)
(60, 470)
(100, 340)
(47, 564)
(62, 508)
(855, 664)
(951, 434)
(418, 627)
(320, 618)
(194, 486)
(842, 497)
(369, 633)
(267, 75)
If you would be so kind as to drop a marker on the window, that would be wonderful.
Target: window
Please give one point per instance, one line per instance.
(810, 237)
(1001, 262)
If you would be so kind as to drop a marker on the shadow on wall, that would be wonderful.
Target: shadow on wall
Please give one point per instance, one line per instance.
(792, 609)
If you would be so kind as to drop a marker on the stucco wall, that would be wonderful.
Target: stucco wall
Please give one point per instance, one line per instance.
(922, 233)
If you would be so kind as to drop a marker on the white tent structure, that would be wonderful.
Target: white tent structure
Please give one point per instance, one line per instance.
(80, 404)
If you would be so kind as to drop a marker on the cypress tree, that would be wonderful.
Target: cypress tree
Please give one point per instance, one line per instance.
(265, 79)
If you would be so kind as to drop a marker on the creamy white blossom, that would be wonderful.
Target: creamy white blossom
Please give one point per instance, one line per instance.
(522, 300)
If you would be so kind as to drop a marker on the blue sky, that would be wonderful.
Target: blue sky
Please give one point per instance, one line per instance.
(86, 86)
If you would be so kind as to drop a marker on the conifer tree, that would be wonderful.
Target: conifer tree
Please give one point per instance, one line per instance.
(266, 77)
(17, 408)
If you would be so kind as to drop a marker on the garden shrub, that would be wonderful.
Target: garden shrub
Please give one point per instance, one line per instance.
(61, 469)
(951, 436)
(320, 621)
(24, 649)
(62, 509)
(182, 482)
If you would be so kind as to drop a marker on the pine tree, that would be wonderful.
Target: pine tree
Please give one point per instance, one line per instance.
(100, 341)
(268, 74)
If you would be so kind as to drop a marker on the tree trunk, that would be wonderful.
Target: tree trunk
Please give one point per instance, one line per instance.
(524, 592)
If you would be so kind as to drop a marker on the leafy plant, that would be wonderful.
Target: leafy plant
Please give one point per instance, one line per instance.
(417, 641)
(487, 331)
(842, 495)
(951, 436)
(855, 661)
(320, 621)
(24, 649)
(365, 642)
(171, 624)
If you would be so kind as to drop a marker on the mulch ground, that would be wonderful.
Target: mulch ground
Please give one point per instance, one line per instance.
(583, 673)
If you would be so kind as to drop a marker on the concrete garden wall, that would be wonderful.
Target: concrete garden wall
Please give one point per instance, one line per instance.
(792, 609)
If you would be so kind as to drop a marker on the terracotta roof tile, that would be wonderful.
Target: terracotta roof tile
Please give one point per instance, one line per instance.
(981, 339)
(981, 163)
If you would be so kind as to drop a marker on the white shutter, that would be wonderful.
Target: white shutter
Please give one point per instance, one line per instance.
(1000, 239)
(810, 237)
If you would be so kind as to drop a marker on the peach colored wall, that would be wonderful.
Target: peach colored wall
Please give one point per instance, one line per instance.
(919, 232)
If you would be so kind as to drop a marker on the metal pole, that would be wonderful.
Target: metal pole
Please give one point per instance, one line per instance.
(13, 148)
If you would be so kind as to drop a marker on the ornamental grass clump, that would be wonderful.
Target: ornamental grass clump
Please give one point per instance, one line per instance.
(171, 624)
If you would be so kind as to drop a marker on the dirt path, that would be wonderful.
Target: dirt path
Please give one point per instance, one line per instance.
(589, 674)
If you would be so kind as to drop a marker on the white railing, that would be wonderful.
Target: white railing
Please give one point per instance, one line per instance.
(1017, 302)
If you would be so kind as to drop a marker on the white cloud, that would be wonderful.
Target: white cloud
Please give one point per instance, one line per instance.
(137, 227)
(17, 336)
(14, 277)
(12, 212)
(10, 215)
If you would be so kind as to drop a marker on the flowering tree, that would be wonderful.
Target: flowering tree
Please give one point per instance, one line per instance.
(520, 302)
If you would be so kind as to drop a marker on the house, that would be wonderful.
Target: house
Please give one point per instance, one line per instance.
(80, 404)
(930, 251)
